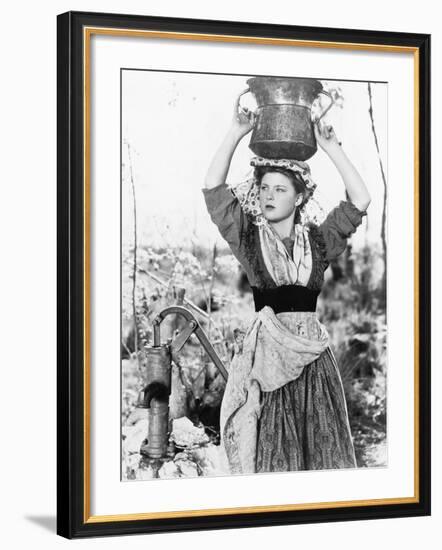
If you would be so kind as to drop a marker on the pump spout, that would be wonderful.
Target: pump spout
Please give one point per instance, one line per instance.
(154, 390)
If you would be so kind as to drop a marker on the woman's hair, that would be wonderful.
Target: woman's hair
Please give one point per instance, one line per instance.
(296, 179)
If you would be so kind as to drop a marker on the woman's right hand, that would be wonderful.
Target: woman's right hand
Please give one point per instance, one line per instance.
(243, 120)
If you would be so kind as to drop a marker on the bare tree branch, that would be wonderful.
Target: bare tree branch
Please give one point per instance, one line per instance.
(384, 243)
(134, 285)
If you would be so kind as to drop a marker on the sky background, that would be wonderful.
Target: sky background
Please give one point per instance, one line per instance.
(174, 123)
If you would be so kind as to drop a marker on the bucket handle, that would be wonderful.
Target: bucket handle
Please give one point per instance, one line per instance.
(332, 102)
(324, 112)
(240, 106)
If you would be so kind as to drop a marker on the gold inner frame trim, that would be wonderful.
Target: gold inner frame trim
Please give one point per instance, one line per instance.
(87, 33)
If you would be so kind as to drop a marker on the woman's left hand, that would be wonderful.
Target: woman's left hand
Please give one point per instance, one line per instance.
(325, 136)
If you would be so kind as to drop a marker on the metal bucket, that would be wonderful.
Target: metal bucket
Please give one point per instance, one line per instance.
(284, 126)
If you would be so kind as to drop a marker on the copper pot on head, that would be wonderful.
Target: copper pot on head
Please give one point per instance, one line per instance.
(284, 125)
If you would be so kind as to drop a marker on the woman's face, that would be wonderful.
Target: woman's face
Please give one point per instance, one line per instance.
(277, 196)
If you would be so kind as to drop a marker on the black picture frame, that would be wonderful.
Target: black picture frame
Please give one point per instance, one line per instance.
(73, 518)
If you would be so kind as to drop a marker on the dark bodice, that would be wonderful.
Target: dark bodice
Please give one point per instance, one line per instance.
(285, 298)
(255, 262)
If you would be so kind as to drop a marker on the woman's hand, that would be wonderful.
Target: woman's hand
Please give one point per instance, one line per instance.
(243, 120)
(326, 137)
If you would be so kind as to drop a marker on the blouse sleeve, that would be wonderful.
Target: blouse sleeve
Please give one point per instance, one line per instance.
(339, 225)
(226, 213)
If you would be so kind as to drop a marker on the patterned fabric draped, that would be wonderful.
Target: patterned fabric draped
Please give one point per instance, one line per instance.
(304, 424)
(284, 266)
(275, 351)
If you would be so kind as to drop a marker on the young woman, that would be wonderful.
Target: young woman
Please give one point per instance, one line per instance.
(284, 407)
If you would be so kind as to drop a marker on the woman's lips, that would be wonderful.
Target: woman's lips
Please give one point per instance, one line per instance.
(269, 206)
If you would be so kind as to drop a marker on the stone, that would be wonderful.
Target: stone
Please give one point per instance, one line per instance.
(169, 470)
(186, 434)
(188, 468)
(135, 435)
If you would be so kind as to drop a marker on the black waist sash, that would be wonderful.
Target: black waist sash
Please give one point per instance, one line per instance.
(285, 298)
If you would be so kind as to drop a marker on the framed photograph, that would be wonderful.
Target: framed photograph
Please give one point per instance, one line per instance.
(243, 274)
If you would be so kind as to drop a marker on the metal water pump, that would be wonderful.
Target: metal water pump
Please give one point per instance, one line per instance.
(158, 379)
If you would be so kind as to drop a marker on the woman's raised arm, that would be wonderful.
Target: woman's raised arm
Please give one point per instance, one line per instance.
(354, 184)
(242, 123)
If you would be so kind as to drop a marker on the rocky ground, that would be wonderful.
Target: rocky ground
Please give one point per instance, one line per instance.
(196, 455)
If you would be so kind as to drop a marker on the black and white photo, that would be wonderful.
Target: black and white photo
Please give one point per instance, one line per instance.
(257, 205)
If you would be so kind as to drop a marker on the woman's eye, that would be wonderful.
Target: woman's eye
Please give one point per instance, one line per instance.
(280, 189)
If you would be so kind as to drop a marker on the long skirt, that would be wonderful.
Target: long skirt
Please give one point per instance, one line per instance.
(304, 424)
